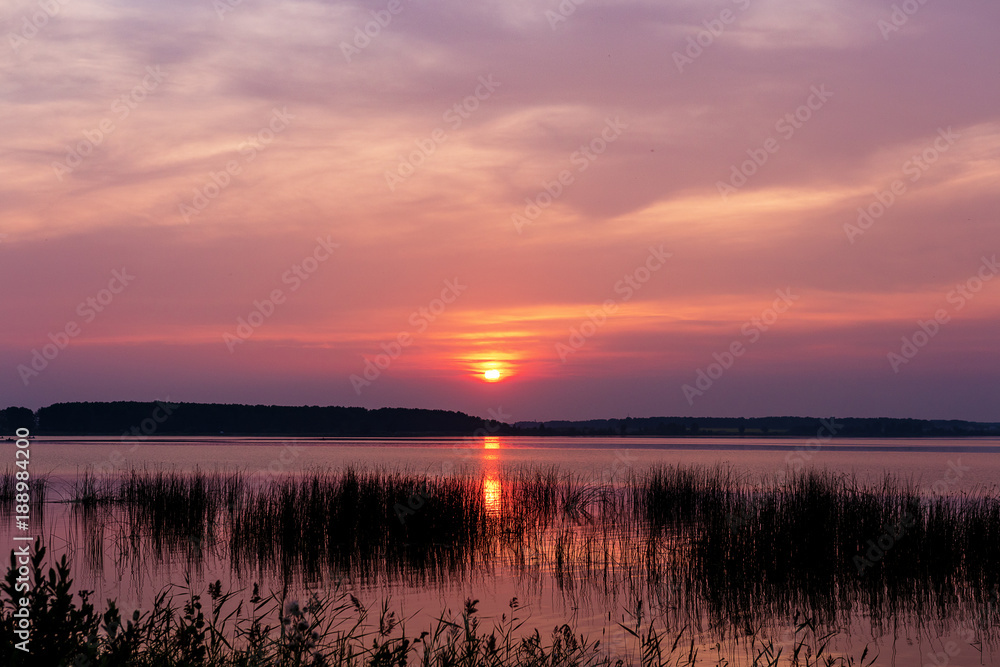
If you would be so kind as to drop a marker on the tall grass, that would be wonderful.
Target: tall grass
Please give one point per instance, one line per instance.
(37, 488)
(701, 541)
(363, 521)
(823, 542)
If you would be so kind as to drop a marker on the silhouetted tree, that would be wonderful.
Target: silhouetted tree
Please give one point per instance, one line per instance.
(12, 419)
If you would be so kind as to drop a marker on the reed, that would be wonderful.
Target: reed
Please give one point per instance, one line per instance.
(38, 486)
(743, 552)
(222, 629)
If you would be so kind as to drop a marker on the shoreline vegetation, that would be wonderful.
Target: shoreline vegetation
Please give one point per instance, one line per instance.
(682, 542)
(161, 418)
(184, 629)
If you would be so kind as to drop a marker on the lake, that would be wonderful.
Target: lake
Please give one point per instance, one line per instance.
(588, 565)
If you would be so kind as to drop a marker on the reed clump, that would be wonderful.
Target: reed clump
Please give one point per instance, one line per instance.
(743, 551)
(824, 542)
(36, 486)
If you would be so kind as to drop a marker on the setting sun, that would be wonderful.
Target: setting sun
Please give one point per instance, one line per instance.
(492, 375)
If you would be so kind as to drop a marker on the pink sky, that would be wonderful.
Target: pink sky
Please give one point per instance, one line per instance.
(300, 126)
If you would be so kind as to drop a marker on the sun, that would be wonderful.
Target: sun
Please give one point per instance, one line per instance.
(492, 375)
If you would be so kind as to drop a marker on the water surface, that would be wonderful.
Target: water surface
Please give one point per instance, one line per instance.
(592, 598)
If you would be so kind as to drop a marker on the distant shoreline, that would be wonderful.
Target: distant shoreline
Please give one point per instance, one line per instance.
(142, 420)
(102, 438)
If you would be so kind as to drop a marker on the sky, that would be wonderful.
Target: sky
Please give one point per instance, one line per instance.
(733, 208)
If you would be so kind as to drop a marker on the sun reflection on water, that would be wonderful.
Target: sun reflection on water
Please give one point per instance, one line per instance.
(492, 492)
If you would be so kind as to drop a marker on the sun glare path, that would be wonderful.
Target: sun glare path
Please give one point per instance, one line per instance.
(492, 488)
(492, 496)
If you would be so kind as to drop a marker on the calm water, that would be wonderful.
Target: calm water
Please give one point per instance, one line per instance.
(591, 604)
(924, 459)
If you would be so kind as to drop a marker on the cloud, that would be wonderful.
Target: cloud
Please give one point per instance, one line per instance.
(353, 121)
